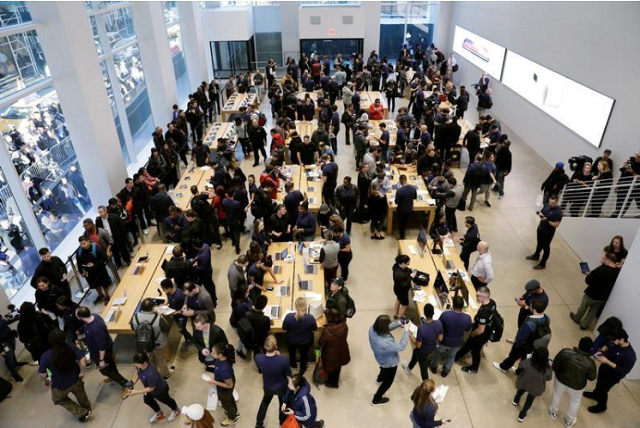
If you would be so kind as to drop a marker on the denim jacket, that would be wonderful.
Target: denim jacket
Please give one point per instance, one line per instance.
(385, 348)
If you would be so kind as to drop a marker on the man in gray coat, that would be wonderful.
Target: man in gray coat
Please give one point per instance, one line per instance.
(236, 274)
(160, 326)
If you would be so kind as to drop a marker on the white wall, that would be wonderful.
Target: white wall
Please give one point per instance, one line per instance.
(588, 236)
(290, 28)
(331, 19)
(593, 43)
(624, 299)
(372, 10)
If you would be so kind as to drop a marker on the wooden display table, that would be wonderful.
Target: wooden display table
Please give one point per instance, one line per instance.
(197, 176)
(236, 101)
(392, 127)
(311, 184)
(369, 97)
(423, 203)
(314, 97)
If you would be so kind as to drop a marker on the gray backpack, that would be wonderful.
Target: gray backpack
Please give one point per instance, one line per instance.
(145, 336)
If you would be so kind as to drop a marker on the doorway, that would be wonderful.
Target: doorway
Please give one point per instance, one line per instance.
(332, 47)
(232, 57)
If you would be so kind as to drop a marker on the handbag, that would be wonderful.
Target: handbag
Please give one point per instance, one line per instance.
(462, 205)
(454, 68)
(290, 422)
(319, 374)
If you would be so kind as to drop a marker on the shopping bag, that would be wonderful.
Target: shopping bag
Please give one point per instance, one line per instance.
(319, 374)
(236, 396)
(212, 398)
(290, 422)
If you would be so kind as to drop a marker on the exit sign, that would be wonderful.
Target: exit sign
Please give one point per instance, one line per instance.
(332, 31)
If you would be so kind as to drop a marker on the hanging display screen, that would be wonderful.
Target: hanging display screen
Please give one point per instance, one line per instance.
(482, 53)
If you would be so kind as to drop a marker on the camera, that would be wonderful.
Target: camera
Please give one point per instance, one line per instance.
(627, 164)
(13, 315)
(577, 162)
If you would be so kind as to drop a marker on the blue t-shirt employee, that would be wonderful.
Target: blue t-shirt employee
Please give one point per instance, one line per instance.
(550, 218)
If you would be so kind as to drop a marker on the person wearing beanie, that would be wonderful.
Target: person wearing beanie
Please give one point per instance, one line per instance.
(197, 416)
(533, 291)
(573, 368)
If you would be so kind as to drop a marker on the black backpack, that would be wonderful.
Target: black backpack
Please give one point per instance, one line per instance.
(541, 337)
(351, 307)
(262, 205)
(245, 332)
(497, 326)
(202, 208)
(145, 337)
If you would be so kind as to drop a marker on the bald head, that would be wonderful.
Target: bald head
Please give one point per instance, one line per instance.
(483, 247)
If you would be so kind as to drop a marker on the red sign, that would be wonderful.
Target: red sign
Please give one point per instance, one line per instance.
(332, 31)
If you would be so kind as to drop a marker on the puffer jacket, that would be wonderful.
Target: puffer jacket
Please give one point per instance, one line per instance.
(573, 368)
(303, 406)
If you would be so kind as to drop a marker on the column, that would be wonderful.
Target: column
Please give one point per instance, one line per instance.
(148, 20)
(194, 43)
(442, 38)
(372, 10)
(289, 29)
(67, 41)
(624, 299)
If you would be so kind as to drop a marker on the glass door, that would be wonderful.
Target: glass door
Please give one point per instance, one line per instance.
(232, 57)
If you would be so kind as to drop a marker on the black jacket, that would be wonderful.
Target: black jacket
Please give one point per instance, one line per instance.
(555, 182)
(52, 270)
(47, 299)
(160, 203)
(600, 282)
(117, 226)
(261, 325)
(573, 368)
(504, 160)
(216, 335)
(401, 278)
(180, 270)
(471, 239)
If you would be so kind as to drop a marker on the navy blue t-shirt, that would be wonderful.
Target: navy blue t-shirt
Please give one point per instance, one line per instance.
(151, 378)
(222, 371)
(256, 273)
(384, 140)
(454, 325)
(275, 370)
(96, 337)
(330, 171)
(176, 300)
(552, 214)
(405, 197)
(428, 334)
(61, 380)
(344, 240)
(530, 295)
(299, 331)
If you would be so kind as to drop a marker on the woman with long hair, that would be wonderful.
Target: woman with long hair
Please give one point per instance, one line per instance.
(33, 330)
(225, 381)
(299, 327)
(72, 324)
(402, 276)
(602, 182)
(254, 253)
(617, 247)
(66, 365)
(260, 236)
(299, 402)
(425, 407)
(533, 374)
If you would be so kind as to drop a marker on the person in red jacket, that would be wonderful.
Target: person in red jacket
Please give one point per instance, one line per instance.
(268, 176)
(335, 349)
(376, 111)
(276, 141)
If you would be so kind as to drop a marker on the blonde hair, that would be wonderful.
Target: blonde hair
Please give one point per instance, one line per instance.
(424, 396)
(270, 343)
(301, 307)
(605, 166)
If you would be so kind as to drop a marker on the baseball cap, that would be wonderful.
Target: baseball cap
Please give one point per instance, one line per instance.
(532, 285)
(560, 165)
(195, 412)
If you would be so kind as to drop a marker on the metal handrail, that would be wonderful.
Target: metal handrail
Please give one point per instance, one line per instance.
(596, 198)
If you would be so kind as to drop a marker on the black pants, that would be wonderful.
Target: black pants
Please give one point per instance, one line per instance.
(516, 353)
(543, 246)
(333, 378)
(391, 101)
(228, 403)
(246, 146)
(121, 253)
(450, 216)
(334, 142)
(111, 369)
(403, 221)
(386, 376)
(206, 280)
(329, 193)
(347, 214)
(527, 404)
(181, 322)
(465, 256)
(607, 379)
(257, 149)
(474, 345)
(264, 405)
(163, 397)
(234, 233)
(477, 283)
(215, 103)
(522, 316)
(304, 355)
(423, 359)
(343, 260)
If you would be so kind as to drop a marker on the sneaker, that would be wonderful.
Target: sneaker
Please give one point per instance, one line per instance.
(487, 204)
(380, 402)
(500, 196)
(406, 368)
(568, 424)
(532, 257)
(444, 374)
(497, 366)
(156, 417)
(434, 370)
(146, 232)
(16, 377)
(98, 300)
(469, 370)
(553, 414)
(522, 418)
(539, 267)
(228, 421)
(241, 355)
(85, 417)
(515, 403)
(174, 415)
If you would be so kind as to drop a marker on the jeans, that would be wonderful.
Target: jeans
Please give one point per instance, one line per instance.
(474, 345)
(575, 395)
(543, 246)
(60, 397)
(500, 180)
(527, 404)
(304, 355)
(264, 405)
(386, 376)
(228, 403)
(450, 352)
(181, 322)
(343, 260)
(587, 311)
(384, 155)
(10, 359)
(423, 359)
(474, 195)
(329, 275)
(347, 215)
(163, 397)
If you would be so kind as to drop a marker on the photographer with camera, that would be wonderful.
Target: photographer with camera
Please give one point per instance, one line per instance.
(629, 170)
(8, 344)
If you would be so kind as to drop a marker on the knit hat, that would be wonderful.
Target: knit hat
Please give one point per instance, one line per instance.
(560, 165)
(195, 412)
(532, 285)
(338, 281)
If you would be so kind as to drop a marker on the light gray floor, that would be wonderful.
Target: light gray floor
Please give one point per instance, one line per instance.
(481, 400)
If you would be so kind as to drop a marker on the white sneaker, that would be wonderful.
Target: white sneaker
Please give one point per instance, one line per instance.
(156, 417)
(146, 231)
(497, 365)
(568, 424)
(554, 415)
(406, 368)
(174, 415)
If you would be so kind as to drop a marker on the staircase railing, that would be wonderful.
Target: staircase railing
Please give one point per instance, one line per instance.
(614, 198)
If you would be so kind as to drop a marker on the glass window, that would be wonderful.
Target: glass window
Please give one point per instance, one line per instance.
(114, 112)
(401, 18)
(36, 135)
(95, 5)
(244, 3)
(268, 34)
(96, 36)
(22, 62)
(13, 13)
(178, 59)
(170, 9)
(18, 257)
(119, 24)
(329, 3)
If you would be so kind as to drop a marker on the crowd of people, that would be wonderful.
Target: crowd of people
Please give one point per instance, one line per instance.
(426, 137)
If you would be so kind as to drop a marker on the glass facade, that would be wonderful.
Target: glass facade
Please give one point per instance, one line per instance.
(172, 22)
(268, 35)
(417, 19)
(22, 62)
(14, 13)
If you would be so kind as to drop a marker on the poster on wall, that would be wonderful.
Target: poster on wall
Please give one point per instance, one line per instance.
(481, 52)
(581, 109)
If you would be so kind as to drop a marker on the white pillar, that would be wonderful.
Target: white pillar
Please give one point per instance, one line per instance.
(442, 38)
(67, 42)
(625, 298)
(372, 11)
(195, 47)
(148, 20)
(289, 29)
